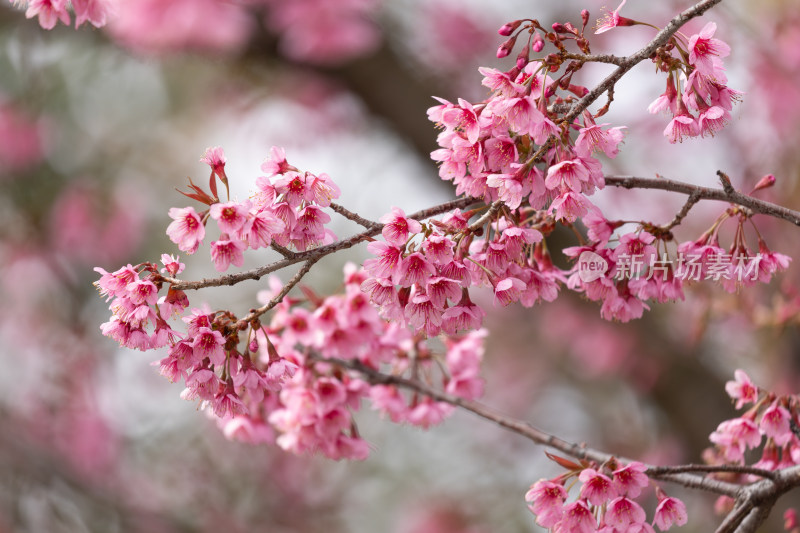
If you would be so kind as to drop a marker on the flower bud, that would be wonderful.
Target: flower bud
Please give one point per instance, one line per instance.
(559, 28)
(506, 47)
(538, 43)
(508, 28)
(523, 57)
(764, 183)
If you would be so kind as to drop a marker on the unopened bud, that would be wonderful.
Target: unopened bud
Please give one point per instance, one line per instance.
(538, 43)
(253, 346)
(506, 47)
(585, 17)
(570, 28)
(764, 183)
(578, 90)
(558, 27)
(508, 28)
(523, 58)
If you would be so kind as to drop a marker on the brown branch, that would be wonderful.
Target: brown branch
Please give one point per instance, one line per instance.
(735, 469)
(487, 216)
(753, 501)
(315, 254)
(706, 193)
(595, 58)
(282, 294)
(529, 431)
(346, 213)
(693, 199)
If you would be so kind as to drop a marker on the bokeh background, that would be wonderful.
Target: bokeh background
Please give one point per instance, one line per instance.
(98, 128)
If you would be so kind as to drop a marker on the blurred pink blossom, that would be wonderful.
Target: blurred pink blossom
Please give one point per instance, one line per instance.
(324, 32)
(156, 26)
(20, 140)
(88, 228)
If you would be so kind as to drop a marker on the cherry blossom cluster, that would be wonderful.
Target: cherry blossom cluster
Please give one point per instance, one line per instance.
(49, 12)
(139, 316)
(697, 94)
(641, 267)
(315, 404)
(606, 501)
(421, 275)
(288, 211)
(771, 422)
(771, 419)
(284, 380)
(313, 31)
(516, 148)
(324, 32)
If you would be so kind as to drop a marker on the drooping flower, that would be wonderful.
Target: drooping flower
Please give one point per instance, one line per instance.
(670, 511)
(187, 229)
(706, 53)
(742, 389)
(611, 20)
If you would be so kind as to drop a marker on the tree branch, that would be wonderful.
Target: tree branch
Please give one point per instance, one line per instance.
(346, 213)
(706, 193)
(578, 451)
(315, 254)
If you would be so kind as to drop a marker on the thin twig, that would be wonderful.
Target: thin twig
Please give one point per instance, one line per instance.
(693, 199)
(736, 469)
(707, 193)
(285, 252)
(491, 212)
(282, 294)
(529, 431)
(346, 213)
(595, 58)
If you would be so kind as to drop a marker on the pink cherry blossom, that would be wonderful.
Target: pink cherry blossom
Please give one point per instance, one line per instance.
(570, 205)
(682, 125)
(705, 52)
(508, 290)
(415, 269)
(597, 488)
(593, 138)
(227, 251)
(209, 343)
(576, 518)
(623, 512)
(775, 423)
(611, 20)
(276, 162)
(97, 12)
(49, 12)
(172, 264)
(397, 228)
(215, 158)
(742, 389)
(187, 229)
(569, 173)
(230, 216)
(669, 512)
(631, 479)
(546, 500)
